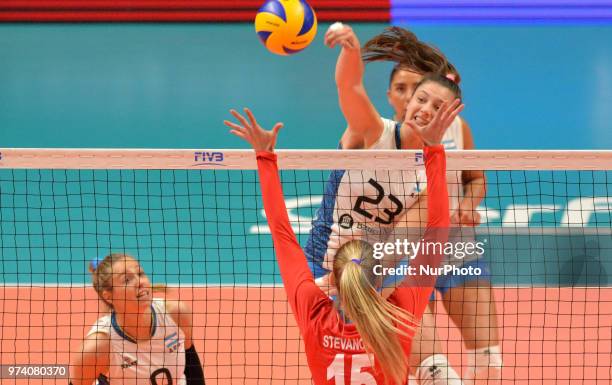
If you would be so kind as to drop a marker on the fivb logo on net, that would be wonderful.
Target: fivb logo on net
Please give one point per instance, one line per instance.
(419, 158)
(205, 158)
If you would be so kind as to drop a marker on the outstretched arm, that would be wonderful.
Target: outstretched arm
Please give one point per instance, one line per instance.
(438, 215)
(364, 123)
(291, 259)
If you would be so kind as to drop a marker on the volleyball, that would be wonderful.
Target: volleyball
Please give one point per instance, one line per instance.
(286, 27)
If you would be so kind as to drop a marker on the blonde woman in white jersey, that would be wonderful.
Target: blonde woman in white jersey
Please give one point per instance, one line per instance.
(368, 130)
(143, 340)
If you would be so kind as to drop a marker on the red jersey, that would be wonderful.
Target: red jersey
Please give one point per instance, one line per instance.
(334, 349)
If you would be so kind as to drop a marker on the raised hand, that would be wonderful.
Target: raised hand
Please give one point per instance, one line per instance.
(341, 34)
(465, 217)
(433, 132)
(259, 138)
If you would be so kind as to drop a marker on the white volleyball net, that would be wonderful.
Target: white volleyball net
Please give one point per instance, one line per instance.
(194, 220)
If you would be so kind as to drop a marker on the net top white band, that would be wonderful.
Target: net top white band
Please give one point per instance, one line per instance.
(223, 159)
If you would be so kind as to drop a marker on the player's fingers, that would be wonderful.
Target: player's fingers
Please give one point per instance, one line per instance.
(464, 218)
(277, 128)
(348, 43)
(333, 41)
(476, 218)
(452, 107)
(436, 124)
(240, 135)
(411, 124)
(447, 113)
(326, 41)
(443, 112)
(419, 131)
(330, 34)
(468, 219)
(455, 217)
(453, 104)
(458, 109)
(331, 38)
(240, 118)
(339, 37)
(456, 103)
(453, 114)
(234, 126)
(349, 38)
(251, 117)
(437, 115)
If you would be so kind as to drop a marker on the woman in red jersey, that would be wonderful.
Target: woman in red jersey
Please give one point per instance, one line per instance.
(365, 338)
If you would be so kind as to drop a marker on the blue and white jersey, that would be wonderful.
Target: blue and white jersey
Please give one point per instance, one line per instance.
(367, 204)
(159, 360)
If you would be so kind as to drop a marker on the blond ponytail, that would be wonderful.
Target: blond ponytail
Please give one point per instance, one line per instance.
(376, 319)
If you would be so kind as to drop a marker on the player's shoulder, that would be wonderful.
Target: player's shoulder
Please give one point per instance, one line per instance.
(175, 306)
(179, 311)
(387, 121)
(102, 325)
(98, 339)
(388, 126)
(387, 135)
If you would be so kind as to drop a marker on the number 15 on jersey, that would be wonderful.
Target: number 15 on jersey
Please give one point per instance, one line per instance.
(336, 370)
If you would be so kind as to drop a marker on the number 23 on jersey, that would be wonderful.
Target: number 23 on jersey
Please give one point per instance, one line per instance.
(380, 195)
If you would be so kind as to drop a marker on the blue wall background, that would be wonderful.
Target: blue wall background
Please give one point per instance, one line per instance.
(170, 85)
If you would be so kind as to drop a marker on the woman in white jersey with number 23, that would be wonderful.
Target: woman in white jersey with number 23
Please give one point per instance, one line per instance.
(357, 204)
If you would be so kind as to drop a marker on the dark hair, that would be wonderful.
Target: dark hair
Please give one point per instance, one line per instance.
(408, 52)
(441, 80)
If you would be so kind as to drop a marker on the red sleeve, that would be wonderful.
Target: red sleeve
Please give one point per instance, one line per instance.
(438, 214)
(438, 222)
(302, 292)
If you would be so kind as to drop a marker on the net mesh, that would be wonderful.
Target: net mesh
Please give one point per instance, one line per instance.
(204, 235)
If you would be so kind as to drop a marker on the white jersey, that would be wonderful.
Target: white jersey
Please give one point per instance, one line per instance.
(157, 361)
(366, 204)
